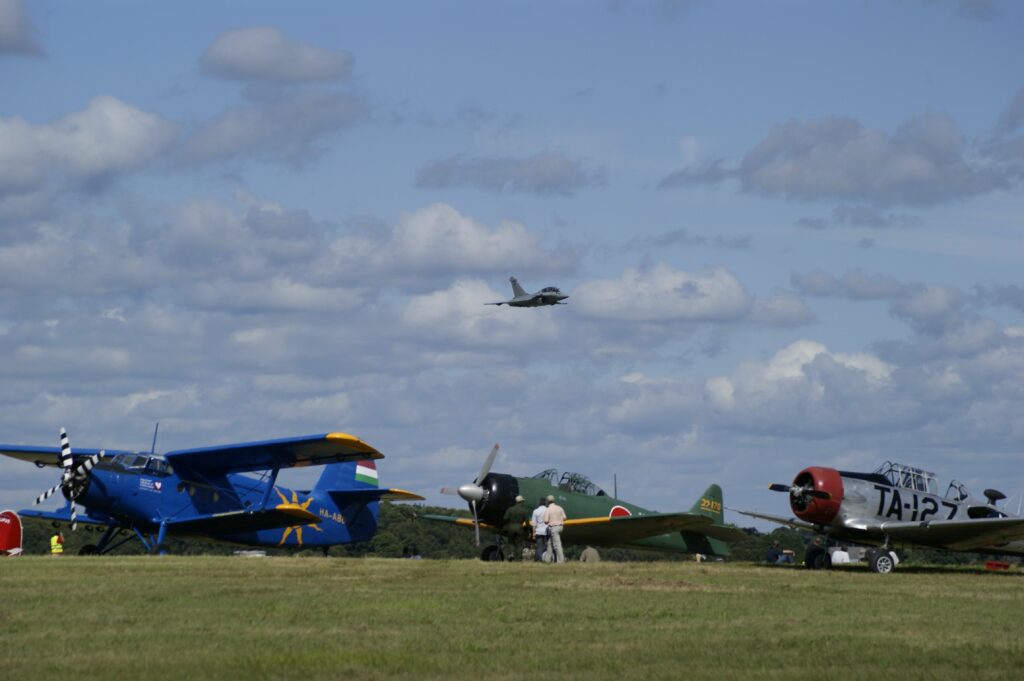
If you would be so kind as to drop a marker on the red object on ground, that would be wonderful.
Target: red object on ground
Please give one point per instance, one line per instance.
(996, 565)
(10, 534)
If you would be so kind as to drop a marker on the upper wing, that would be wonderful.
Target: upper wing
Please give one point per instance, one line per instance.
(959, 535)
(50, 456)
(308, 450)
(619, 529)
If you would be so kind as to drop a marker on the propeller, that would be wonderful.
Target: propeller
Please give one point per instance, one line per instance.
(798, 491)
(472, 492)
(73, 478)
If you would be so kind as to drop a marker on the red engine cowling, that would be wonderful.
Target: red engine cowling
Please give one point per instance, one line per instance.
(813, 509)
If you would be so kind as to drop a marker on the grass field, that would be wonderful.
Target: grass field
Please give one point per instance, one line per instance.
(313, 618)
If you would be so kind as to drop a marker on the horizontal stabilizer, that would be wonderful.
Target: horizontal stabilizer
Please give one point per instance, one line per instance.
(343, 497)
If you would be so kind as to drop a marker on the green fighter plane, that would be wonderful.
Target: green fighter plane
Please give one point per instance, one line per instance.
(593, 517)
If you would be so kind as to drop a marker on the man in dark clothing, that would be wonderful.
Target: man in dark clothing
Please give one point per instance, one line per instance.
(515, 525)
(774, 554)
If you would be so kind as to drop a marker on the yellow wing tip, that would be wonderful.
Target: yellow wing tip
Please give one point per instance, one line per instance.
(356, 444)
(395, 494)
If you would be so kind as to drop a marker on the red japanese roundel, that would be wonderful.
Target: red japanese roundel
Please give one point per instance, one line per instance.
(618, 511)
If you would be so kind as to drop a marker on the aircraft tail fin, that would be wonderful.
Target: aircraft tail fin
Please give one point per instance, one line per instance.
(348, 475)
(710, 504)
(517, 290)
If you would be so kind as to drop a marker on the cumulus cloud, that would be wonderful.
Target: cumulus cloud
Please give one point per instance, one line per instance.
(85, 148)
(285, 127)
(263, 54)
(439, 240)
(804, 387)
(546, 173)
(17, 36)
(925, 161)
(664, 293)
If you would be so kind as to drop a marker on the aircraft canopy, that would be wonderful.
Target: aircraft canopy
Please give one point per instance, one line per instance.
(571, 482)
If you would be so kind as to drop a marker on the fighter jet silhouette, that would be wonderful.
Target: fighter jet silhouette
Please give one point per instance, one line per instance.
(549, 295)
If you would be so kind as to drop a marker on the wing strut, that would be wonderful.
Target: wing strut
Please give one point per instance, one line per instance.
(270, 487)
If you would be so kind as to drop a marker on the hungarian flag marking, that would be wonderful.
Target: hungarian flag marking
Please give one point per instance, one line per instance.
(366, 471)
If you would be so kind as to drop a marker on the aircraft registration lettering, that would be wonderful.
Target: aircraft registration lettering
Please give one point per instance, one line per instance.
(891, 504)
(710, 505)
(332, 515)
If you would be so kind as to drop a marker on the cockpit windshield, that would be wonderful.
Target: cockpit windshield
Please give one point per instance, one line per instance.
(141, 463)
(571, 482)
(550, 289)
(909, 477)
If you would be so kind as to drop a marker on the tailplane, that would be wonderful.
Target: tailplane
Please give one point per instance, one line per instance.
(517, 290)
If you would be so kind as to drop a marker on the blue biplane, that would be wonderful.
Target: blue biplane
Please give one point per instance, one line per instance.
(203, 493)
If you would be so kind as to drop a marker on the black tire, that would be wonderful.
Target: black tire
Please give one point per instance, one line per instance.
(492, 552)
(817, 558)
(160, 550)
(881, 561)
(89, 550)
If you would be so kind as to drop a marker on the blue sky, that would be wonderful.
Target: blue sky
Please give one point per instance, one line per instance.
(791, 234)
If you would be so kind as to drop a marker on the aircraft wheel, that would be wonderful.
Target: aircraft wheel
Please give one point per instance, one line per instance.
(817, 558)
(89, 550)
(492, 553)
(880, 561)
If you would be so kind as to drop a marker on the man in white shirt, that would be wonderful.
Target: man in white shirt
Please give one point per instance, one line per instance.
(840, 556)
(540, 531)
(554, 517)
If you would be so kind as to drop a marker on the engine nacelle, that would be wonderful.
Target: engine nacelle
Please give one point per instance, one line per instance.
(813, 509)
(500, 492)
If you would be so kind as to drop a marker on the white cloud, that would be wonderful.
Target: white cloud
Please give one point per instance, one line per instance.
(925, 161)
(84, 148)
(263, 53)
(285, 127)
(664, 293)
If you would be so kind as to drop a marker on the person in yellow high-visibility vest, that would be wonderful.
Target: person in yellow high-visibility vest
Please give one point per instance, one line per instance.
(57, 544)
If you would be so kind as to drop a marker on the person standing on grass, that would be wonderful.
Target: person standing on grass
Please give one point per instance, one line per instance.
(554, 517)
(590, 555)
(57, 544)
(516, 525)
(540, 531)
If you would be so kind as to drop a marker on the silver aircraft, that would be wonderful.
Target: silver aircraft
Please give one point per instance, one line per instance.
(549, 295)
(895, 506)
